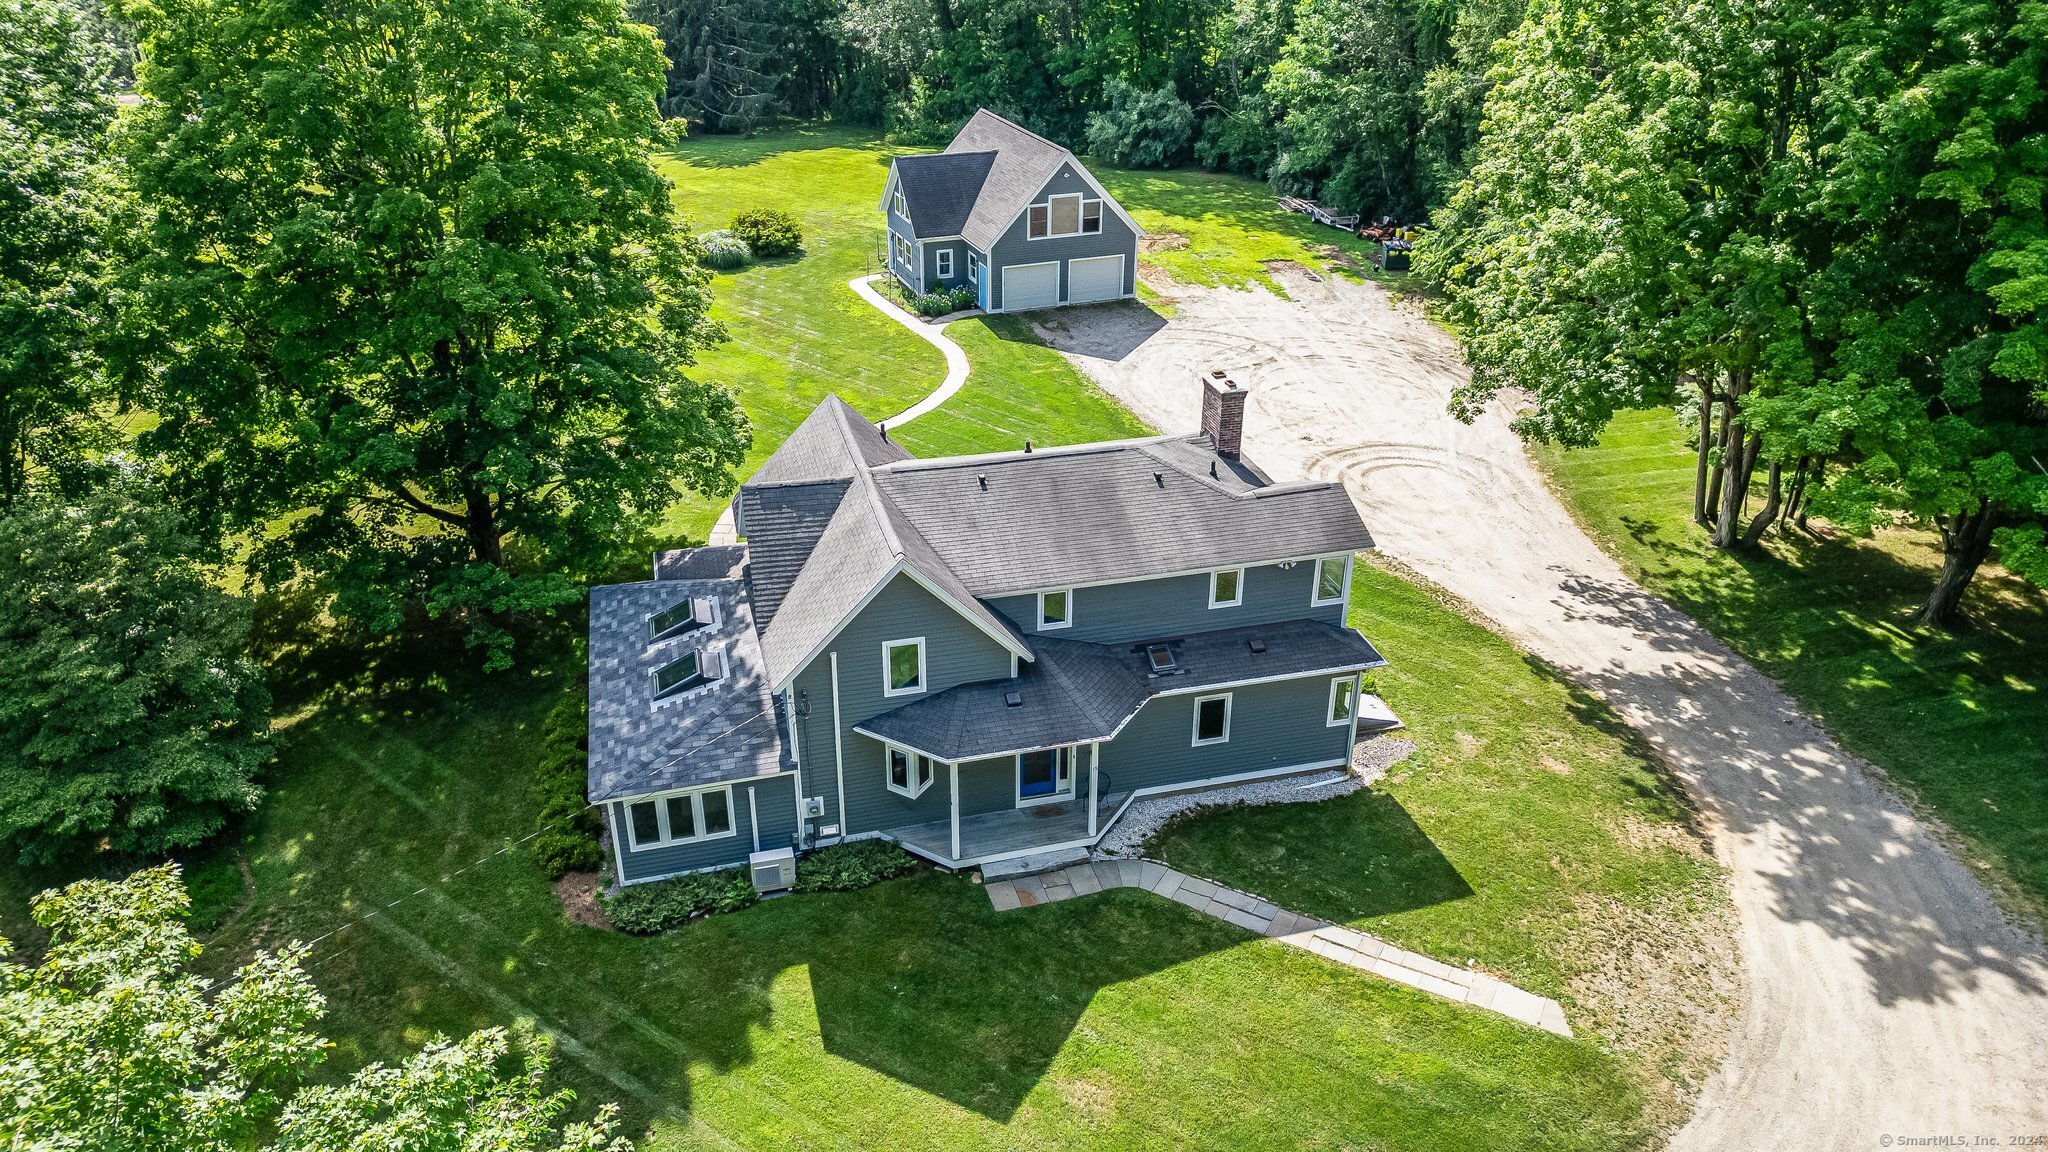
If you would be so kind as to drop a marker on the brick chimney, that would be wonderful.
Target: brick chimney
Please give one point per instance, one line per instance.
(1223, 412)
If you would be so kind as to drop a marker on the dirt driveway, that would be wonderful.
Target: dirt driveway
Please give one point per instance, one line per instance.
(1887, 997)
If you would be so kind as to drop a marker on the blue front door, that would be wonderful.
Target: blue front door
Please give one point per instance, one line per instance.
(1043, 774)
(981, 296)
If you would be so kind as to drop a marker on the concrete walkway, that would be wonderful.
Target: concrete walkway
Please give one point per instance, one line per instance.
(1345, 946)
(932, 334)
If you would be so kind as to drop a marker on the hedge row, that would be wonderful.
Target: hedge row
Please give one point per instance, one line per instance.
(568, 824)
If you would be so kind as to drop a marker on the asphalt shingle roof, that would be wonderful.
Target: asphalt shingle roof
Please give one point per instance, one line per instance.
(940, 189)
(1077, 692)
(1098, 513)
(730, 729)
(1023, 162)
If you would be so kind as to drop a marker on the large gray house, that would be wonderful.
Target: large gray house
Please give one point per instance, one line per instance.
(979, 657)
(1012, 214)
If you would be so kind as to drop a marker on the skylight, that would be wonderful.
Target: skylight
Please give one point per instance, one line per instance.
(690, 670)
(687, 616)
(1160, 658)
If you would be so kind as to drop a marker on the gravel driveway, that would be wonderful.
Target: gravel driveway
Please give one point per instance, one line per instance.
(1886, 994)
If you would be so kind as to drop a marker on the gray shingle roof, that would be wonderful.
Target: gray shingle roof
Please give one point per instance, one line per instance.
(717, 562)
(730, 729)
(1105, 512)
(814, 577)
(1024, 161)
(1077, 692)
(940, 189)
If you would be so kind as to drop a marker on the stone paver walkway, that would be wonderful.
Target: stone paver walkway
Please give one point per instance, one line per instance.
(1346, 946)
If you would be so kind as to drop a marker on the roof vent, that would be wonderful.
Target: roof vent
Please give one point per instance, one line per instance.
(1013, 699)
(984, 482)
(1258, 645)
(1212, 471)
(1027, 447)
(883, 429)
(1159, 478)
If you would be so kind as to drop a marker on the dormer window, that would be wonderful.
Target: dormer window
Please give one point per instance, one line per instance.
(688, 616)
(691, 670)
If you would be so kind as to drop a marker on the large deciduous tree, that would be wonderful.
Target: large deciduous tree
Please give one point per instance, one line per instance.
(410, 298)
(55, 105)
(130, 721)
(112, 1044)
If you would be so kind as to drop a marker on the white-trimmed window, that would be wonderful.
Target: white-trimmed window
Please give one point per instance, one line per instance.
(1066, 214)
(905, 772)
(1333, 580)
(902, 206)
(1226, 588)
(973, 270)
(1044, 776)
(680, 818)
(1055, 609)
(903, 252)
(1091, 217)
(1036, 219)
(1343, 692)
(945, 263)
(1212, 719)
(903, 667)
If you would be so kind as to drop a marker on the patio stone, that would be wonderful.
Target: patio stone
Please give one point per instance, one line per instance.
(1170, 883)
(1108, 873)
(1197, 886)
(1003, 895)
(1150, 874)
(1084, 879)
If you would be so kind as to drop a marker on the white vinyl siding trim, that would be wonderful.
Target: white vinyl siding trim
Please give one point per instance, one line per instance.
(1206, 704)
(1055, 610)
(1226, 587)
(916, 683)
(1343, 701)
(1331, 571)
(691, 806)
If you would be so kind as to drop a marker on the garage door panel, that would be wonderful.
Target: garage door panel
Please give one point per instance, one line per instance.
(1028, 286)
(1095, 278)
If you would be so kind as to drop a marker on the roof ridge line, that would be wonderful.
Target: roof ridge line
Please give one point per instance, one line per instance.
(1092, 447)
(980, 110)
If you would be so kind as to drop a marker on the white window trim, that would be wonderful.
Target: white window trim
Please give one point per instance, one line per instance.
(1066, 623)
(902, 206)
(1084, 217)
(1080, 202)
(973, 269)
(702, 653)
(1195, 723)
(660, 801)
(1315, 581)
(1338, 686)
(1231, 603)
(945, 262)
(1062, 757)
(915, 790)
(923, 677)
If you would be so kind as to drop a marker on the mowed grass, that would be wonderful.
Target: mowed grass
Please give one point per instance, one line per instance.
(910, 1015)
(1957, 719)
(797, 332)
(1232, 226)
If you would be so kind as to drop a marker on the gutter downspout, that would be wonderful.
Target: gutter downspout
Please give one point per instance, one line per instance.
(838, 753)
(753, 818)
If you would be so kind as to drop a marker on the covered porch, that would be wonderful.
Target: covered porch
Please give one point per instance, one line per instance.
(968, 840)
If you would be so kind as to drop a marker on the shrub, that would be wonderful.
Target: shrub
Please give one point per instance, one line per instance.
(647, 909)
(1141, 129)
(855, 864)
(568, 824)
(963, 298)
(723, 250)
(769, 232)
(934, 304)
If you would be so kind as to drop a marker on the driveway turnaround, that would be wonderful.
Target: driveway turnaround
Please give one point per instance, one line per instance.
(1333, 942)
(1887, 998)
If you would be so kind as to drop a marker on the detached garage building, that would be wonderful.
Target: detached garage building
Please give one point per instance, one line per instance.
(1012, 214)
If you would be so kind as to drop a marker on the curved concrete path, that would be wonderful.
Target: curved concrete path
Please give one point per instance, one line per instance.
(933, 334)
(1333, 942)
(1886, 994)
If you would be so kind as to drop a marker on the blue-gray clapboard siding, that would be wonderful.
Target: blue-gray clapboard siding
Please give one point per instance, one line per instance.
(774, 800)
(1016, 246)
(1177, 606)
(934, 282)
(900, 226)
(956, 652)
(1283, 724)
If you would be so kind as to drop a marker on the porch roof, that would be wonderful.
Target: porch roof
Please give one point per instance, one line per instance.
(1077, 692)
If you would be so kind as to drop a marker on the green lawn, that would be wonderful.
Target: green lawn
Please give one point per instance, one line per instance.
(1957, 719)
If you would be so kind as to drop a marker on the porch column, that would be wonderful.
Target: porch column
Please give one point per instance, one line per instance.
(1094, 759)
(954, 770)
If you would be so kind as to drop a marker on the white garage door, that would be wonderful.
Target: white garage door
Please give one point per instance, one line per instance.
(1096, 278)
(1027, 286)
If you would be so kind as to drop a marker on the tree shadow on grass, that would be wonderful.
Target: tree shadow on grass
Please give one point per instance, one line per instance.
(717, 150)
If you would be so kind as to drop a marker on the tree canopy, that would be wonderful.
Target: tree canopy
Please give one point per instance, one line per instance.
(131, 721)
(409, 297)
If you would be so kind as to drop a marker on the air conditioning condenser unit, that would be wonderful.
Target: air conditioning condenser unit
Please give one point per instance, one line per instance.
(773, 871)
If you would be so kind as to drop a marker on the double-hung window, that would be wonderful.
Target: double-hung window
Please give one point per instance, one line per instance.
(1226, 588)
(945, 263)
(903, 252)
(903, 667)
(1331, 579)
(1091, 217)
(680, 818)
(1342, 691)
(905, 772)
(1212, 719)
(1037, 222)
(902, 206)
(1053, 610)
